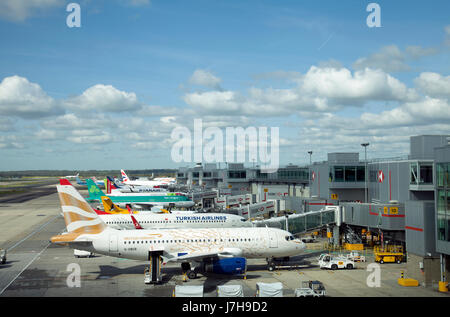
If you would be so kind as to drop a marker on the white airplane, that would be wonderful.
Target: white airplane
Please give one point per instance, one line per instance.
(172, 221)
(72, 176)
(220, 249)
(126, 180)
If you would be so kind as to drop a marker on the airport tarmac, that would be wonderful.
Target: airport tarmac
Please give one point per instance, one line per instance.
(35, 268)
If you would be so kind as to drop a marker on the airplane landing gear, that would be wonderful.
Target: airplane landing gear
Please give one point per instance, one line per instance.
(188, 271)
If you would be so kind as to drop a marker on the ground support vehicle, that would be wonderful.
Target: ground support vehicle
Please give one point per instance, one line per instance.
(283, 263)
(310, 289)
(356, 257)
(81, 253)
(2, 256)
(327, 261)
(389, 254)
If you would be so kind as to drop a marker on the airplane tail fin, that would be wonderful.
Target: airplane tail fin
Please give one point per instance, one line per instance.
(135, 222)
(113, 183)
(79, 216)
(79, 182)
(124, 176)
(95, 192)
(109, 206)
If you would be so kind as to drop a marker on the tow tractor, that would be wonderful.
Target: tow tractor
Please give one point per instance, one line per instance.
(2, 256)
(327, 261)
(310, 288)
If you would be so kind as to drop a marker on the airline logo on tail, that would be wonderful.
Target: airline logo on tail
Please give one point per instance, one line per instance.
(124, 176)
(79, 217)
(135, 222)
(93, 190)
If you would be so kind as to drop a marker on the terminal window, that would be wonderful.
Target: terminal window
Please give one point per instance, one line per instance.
(443, 201)
(237, 174)
(347, 174)
(421, 173)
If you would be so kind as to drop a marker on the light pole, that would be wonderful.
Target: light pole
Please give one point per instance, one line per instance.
(365, 145)
(309, 173)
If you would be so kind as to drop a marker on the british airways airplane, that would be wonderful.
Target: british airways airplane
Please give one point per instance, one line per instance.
(196, 246)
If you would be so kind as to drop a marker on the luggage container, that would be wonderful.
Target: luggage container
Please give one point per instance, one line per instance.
(230, 291)
(269, 289)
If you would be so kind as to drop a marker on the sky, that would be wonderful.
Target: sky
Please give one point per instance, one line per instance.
(110, 93)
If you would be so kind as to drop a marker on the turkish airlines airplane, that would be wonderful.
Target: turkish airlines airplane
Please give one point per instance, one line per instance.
(164, 221)
(204, 246)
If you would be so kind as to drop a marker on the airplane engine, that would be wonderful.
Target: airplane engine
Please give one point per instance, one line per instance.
(226, 266)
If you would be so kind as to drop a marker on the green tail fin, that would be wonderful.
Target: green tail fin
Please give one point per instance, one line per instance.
(94, 191)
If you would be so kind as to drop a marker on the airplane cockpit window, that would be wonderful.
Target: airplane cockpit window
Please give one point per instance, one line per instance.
(289, 238)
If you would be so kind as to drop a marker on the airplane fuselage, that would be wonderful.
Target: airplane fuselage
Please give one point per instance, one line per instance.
(243, 242)
(165, 221)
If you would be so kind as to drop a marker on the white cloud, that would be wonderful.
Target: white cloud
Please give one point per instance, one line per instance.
(10, 142)
(157, 111)
(415, 51)
(91, 139)
(433, 84)
(363, 85)
(205, 78)
(45, 134)
(104, 98)
(20, 10)
(319, 90)
(389, 59)
(21, 98)
(71, 121)
(213, 101)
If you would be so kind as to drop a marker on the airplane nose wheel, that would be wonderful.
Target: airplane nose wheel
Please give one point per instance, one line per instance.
(270, 264)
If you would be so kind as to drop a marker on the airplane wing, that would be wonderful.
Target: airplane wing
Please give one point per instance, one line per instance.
(200, 256)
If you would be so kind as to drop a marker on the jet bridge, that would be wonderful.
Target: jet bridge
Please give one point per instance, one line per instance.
(302, 223)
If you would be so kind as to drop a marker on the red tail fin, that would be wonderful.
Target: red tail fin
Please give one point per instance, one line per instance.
(63, 181)
(135, 222)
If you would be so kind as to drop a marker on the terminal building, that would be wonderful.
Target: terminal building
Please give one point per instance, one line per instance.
(402, 201)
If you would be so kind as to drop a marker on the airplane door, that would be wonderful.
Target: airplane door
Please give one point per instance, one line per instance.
(273, 241)
(113, 243)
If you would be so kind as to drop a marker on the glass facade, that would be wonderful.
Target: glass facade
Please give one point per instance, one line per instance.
(285, 174)
(293, 174)
(443, 201)
(347, 174)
